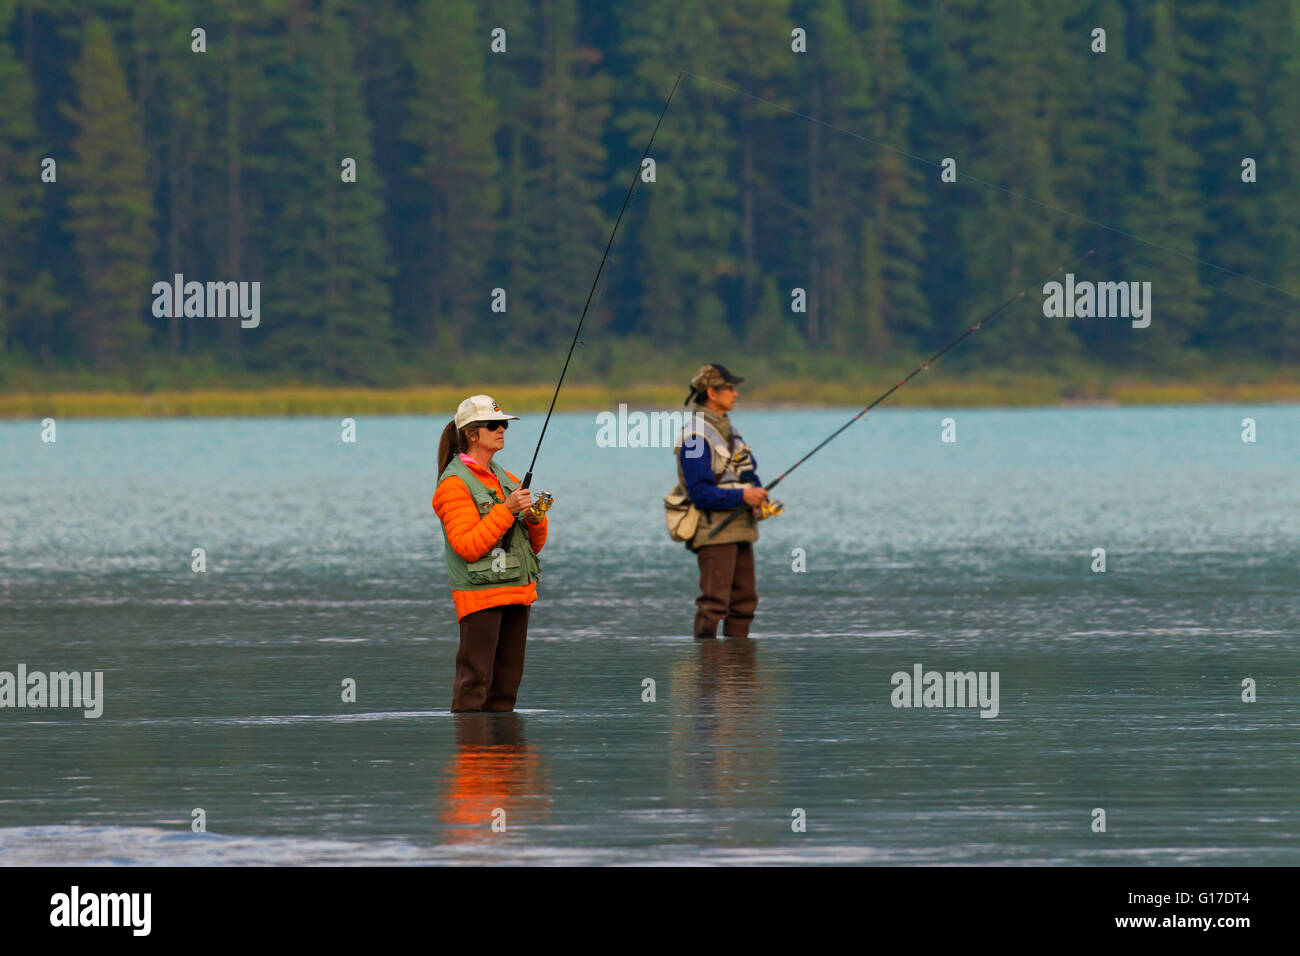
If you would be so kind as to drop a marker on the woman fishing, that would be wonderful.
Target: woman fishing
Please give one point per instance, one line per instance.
(493, 532)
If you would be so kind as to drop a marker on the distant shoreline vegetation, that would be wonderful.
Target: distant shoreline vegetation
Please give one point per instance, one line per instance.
(365, 183)
(440, 400)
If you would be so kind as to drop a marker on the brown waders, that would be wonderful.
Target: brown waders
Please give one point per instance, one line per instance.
(490, 661)
(727, 590)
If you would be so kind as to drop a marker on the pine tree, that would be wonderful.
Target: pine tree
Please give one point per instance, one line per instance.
(27, 295)
(1243, 89)
(1276, 97)
(888, 286)
(110, 206)
(171, 77)
(1093, 98)
(326, 305)
(388, 49)
(510, 82)
(244, 165)
(837, 79)
(678, 233)
(1011, 229)
(507, 170)
(1166, 208)
(451, 124)
(935, 76)
(564, 178)
(758, 38)
(772, 333)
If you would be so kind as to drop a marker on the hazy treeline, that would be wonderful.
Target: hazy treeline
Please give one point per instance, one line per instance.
(479, 170)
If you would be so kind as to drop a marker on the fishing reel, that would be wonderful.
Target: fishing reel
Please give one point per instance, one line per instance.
(542, 505)
(768, 507)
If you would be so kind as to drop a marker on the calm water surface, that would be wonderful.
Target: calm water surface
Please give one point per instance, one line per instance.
(1120, 691)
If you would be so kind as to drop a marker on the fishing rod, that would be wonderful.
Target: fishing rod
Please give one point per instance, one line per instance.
(741, 509)
(582, 318)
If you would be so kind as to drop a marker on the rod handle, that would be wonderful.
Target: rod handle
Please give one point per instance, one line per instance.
(740, 510)
(528, 480)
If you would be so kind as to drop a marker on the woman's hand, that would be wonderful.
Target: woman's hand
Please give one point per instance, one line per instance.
(520, 499)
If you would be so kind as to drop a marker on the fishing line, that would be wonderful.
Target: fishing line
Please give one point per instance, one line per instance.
(741, 509)
(866, 139)
(636, 177)
(1217, 289)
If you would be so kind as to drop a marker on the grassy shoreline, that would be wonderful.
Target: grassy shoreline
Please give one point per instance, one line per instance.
(441, 400)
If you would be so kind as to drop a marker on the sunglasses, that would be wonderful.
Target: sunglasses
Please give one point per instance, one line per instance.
(493, 426)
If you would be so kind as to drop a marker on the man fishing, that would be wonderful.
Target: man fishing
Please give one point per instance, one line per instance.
(716, 472)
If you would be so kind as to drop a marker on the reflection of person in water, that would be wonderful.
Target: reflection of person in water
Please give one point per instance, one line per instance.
(719, 746)
(726, 680)
(493, 770)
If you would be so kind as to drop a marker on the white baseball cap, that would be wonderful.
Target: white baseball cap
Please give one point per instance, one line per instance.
(480, 408)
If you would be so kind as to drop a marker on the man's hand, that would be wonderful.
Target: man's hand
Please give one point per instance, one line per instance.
(755, 496)
(521, 498)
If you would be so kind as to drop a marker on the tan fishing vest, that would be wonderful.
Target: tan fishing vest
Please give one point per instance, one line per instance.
(730, 457)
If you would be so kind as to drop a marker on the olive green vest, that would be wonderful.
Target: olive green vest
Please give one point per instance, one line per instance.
(730, 456)
(513, 562)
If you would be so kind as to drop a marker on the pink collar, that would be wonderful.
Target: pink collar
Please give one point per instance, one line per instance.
(474, 465)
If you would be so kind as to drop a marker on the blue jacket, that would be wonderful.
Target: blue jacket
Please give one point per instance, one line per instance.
(703, 488)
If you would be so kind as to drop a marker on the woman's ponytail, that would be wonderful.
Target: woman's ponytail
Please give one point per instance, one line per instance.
(447, 446)
(453, 442)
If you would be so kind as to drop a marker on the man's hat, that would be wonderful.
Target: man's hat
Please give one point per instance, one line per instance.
(480, 408)
(710, 376)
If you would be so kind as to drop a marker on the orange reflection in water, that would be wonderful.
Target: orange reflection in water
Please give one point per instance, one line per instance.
(493, 769)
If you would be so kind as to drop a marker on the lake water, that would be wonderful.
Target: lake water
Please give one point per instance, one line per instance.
(1119, 691)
